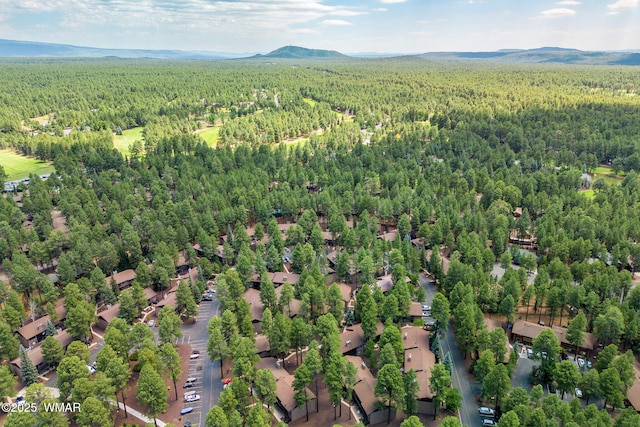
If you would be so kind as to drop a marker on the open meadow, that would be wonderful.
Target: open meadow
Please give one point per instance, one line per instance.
(18, 167)
(123, 142)
(210, 135)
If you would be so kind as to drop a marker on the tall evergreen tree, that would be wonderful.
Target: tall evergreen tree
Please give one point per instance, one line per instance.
(27, 368)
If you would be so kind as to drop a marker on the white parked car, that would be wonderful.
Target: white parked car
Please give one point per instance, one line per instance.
(91, 369)
(489, 423)
(194, 355)
(578, 393)
(580, 362)
(486, 411)
(192, 398)
(151, 323)
(426, 307)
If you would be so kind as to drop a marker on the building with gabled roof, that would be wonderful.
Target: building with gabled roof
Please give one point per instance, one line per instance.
(106, 316)
(633, 395)
(352, 338)
(285, 395)
(123, 278)
(32, 333)
(526, 332)
(419, 357)
(364, 393)
(252, 296)
(36, 356)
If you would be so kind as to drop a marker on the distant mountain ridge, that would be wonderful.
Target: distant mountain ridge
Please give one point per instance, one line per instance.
(542, 55)
(296, 52)
(15, 48)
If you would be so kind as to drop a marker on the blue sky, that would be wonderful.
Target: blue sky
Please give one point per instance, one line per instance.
(398, 26)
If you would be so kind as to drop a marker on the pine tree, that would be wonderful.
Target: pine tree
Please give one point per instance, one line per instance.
(27, 368)
(51, 329)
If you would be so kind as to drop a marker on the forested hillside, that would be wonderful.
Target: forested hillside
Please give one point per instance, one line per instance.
(444, 154)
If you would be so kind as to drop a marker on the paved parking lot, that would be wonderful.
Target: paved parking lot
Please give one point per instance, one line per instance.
(208, 384)
(522, 373)
(196, 370)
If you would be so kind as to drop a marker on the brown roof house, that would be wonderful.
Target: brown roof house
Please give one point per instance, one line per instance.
(123, 279)
(167, 299)
(389, 236)
(295, 306)
(286, 405)
(150, 295)
(526, 332)
(35, 354)
(419, 357)
(385, 283)
(353, 339)
(279, 278)
(633, 395)
(106, 316)
(34, 332)
(364, 394)
(252, 296)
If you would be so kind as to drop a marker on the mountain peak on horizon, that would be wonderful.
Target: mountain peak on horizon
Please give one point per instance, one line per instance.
(297, 52)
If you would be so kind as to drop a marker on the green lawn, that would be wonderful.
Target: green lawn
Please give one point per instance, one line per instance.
(603, 169)
(18, 167)
(589, 194)
(607, 174)
(210, 135)
(310, 101)
(128, 137)
(296, 141)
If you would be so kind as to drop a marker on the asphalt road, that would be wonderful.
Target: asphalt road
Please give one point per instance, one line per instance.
(469, 415)
(208, 384)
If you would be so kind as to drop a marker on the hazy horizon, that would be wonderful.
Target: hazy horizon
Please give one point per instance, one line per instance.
(348, 26)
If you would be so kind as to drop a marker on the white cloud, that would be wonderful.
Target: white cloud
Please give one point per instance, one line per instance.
(392, 1)
(381, 9)
(185, 14)
(303, 31)
(338, 22)
(569, 3)
(621, 5)
(557, 13)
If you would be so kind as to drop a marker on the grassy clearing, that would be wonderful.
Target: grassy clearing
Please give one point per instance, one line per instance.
(607, 174)
(603, 170)
(18, 167)
(295, 142)
(610, 179)
(310, 101)
(589, 194)
(43, 120)
(128, 137)
(210, 135)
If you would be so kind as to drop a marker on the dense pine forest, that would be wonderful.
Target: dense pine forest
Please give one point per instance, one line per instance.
(534, 168)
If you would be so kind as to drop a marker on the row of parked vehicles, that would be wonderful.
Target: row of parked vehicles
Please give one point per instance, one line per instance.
(485, 411)
(581, 361)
